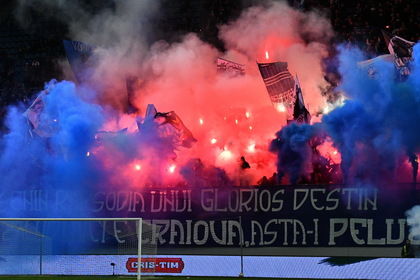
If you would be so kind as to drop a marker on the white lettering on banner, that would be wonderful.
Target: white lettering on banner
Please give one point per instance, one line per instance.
(168, 264)
(119, 229)
(330, 199)
(37, 200)
(170, 201)
(363, 198)
(82, 47)
(285, 226)
(174, 233)
(204, 232)
(241, 200)
(121, 201)
(275, 231)
(228, 232)
(200, 231)
(34, 200)
(145, 265)
(155, 265)
(210, 216)
(189, 223)
(160, 227)
(400, 239)
(341, 226)
(232, 233)
(234, 200)
(95, 238)
(210, 204)
(222, 239)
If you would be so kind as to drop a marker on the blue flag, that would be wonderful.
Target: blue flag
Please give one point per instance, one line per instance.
(80, 57)
(300, 113)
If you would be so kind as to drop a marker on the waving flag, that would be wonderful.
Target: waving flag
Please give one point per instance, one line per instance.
(371, 65)
(229, 68)
(402, 50)
(397, 45)
(169, 125)
(279, 83)
(79, 55)
(300, 113)
(39, 122)
(184, 134)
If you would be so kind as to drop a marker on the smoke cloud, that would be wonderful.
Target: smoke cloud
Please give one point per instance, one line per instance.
(97, 146)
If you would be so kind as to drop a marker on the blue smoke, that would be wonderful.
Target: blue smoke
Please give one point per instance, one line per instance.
(49, 176)
(294, 152)
(374, 130)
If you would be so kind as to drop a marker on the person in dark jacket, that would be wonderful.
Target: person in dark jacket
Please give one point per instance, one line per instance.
(407, 251)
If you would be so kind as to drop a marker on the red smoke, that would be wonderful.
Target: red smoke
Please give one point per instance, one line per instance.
(230, 117)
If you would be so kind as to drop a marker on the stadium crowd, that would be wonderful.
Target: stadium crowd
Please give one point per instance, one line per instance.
(29, 57)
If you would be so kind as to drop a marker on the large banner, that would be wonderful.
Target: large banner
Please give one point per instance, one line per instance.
(313, 216)
(278, 216)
